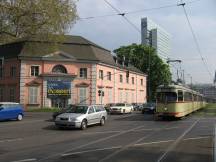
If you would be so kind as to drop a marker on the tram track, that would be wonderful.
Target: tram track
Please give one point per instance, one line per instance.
(176, 142)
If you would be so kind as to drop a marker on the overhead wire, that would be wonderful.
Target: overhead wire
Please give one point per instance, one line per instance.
(123, 15)
(195, 38)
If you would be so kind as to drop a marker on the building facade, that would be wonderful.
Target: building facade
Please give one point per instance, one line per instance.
(38, 74)
(155, 36)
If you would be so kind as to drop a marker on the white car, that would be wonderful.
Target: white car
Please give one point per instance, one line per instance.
(121, 108)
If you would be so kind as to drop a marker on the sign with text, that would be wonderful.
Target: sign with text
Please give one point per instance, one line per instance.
(58, 89)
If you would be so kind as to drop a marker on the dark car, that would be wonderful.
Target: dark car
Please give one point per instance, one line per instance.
(135, 106)
(61, 111)
(107, 107)
(149, 107)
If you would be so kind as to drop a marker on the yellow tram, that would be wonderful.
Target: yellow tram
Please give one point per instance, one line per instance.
(177, 101)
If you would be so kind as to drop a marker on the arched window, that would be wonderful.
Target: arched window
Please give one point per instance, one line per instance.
(59, 69)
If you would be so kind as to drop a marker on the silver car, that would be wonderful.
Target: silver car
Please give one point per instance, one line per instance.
(81, 116)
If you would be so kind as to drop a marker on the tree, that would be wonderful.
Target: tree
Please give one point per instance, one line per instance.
(27, 18)
(145, 59)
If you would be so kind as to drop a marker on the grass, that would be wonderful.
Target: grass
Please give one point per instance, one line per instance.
(43, 109)
(209, 110)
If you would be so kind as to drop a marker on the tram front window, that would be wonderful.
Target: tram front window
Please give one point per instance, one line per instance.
(164, 97)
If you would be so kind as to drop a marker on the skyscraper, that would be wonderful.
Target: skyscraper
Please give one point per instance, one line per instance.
(156, 37)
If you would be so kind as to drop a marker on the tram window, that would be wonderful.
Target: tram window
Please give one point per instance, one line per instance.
(188, 96)
(166, 97)
(180, 96)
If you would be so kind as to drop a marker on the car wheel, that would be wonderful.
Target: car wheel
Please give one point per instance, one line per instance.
(84, 125)
(102, 121)
(19, 117)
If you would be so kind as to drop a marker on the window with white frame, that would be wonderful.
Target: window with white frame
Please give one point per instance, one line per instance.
(110, 95)
(141, 80)
(83, 73)
(121, 78)
(101, 74)
(34, 70)
(33, 95)
(109, 76)
(132, 97)
(132, 80)
(127, 79)
(121, 96)
(126, 96)
(82, 95)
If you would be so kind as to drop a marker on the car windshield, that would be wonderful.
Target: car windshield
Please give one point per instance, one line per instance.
(149, 104)
(78, 109)
(120, 104)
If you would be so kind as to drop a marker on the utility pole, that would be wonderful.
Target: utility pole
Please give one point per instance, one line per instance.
(178, 61)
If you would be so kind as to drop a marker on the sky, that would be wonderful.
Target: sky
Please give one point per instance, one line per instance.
(113, 31)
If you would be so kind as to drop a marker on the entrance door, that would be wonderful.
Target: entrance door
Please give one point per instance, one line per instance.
(59, 102)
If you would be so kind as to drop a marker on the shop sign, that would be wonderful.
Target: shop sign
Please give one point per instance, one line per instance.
(58, 89)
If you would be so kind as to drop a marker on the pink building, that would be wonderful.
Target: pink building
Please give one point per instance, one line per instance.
(76, 71)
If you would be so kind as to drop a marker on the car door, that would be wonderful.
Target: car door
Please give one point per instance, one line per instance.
(98, 113)
(91, 115)
(5, 112)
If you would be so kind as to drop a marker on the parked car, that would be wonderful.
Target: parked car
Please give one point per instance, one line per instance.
(108, 106)
(61, 111)
(81, 116)
(121, 108)
(11, 110)
(135, 106)
(149, 107)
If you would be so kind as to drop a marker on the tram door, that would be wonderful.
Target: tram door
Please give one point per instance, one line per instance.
(59, 102)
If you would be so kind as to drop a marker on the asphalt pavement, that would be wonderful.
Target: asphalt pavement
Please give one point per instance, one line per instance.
(133, 137)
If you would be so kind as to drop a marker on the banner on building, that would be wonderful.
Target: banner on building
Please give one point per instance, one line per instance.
(58, 89)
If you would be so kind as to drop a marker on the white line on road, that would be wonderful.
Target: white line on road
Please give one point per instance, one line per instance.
(129, 145)
(196, 138)
(91, 143)
(87, 151)
(25, 160)
(172, 146)
(11, 140)
(156, 142)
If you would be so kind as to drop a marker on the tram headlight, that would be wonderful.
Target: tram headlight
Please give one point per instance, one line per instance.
(165, 108)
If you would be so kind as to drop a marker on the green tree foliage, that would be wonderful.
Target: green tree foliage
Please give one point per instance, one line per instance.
(27, 18)
(143, 57)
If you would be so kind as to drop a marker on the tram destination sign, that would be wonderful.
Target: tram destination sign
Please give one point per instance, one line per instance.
(58, 89)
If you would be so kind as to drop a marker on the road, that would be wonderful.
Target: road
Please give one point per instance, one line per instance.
(124, 138)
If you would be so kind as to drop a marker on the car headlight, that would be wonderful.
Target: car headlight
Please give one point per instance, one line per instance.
(57, 118)
(72, 119)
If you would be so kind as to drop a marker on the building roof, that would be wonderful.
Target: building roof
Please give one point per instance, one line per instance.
(73, 48)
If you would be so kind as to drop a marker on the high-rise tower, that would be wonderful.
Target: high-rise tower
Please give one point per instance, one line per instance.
(156, 37)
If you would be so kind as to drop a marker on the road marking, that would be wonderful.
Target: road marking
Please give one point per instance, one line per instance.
(156, 142)
(172, 146)
(91, 143)
(102, 132)
(145, 129)
(129, 145)
(196, 138)
(25, 160)
(87, 151)
(11, 140)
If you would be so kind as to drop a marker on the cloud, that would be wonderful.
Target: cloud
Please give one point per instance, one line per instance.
(112, 32)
